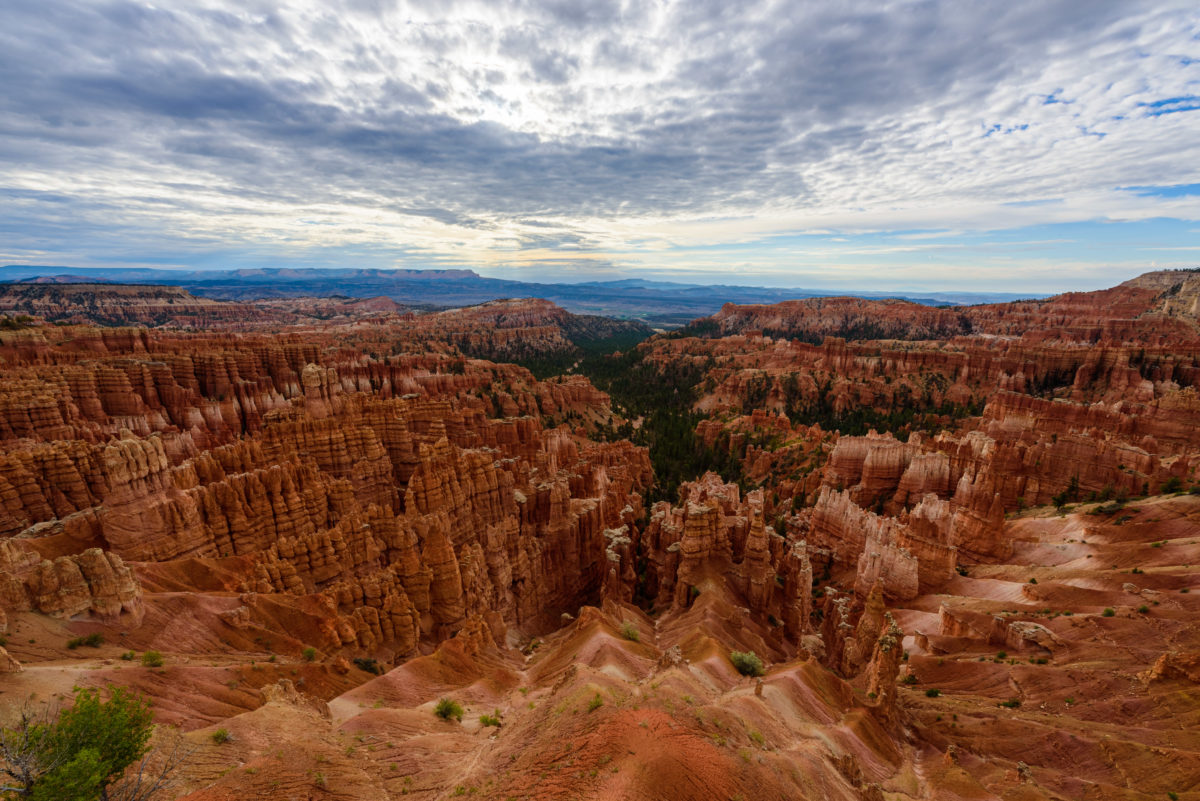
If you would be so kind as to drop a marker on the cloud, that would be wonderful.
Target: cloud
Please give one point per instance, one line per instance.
(468, 131)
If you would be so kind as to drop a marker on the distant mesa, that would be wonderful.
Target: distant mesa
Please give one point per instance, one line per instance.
(660, 304)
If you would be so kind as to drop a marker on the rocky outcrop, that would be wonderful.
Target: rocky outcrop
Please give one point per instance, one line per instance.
(93, 582)
(382, 499)
(884, 669)
(906, 554)
(849, 318)
(8, 664)
(121, 304)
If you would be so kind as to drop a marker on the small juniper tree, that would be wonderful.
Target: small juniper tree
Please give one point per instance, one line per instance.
(83, 752)
(747, 663)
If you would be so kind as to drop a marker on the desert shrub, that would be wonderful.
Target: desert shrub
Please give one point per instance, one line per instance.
(1011, 703)
(309, 654)
(1143, 609)
(933, 692)
(152, 659)
(595, 703)
(221, 736)
(747, 663)
(1172, 484)
(1109, 612)
(490, 720)
(129, 656)
(630, 632)
(78, 753)
(91, 641)
(447, 708)
(368, 664)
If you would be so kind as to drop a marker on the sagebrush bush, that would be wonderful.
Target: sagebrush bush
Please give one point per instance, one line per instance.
(630, 632)
(91, 641)
(369, 665)
(747, 663)
(152, 659)
(221, 736)
(448, 708)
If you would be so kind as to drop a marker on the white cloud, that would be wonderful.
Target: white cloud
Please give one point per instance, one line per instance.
(496, 133)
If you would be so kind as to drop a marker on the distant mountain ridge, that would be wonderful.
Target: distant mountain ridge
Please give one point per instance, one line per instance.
(658, 303)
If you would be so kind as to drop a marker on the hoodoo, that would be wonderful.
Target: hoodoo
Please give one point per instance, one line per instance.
(779, 550)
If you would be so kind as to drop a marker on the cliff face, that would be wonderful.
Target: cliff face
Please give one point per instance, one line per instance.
(849, 318)
(120, 304)
(984, 411)
(93, 583)
(382, 500)
(717, 537)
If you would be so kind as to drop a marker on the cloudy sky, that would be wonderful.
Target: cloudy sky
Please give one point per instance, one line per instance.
(964, 144)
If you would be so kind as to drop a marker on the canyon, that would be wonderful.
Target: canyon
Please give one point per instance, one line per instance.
(962, 542)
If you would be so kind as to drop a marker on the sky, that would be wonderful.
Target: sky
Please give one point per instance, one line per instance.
(959, 145)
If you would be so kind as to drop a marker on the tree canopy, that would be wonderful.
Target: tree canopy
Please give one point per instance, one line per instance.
(77, 754)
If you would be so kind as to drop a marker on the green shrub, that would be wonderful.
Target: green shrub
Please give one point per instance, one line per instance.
(129, 656)
(1172, 484)
(932, 692)
(448, 708)
(1109, 612)
(595, 703)
(80, 752)
(1011, 703)
(91, 641)
(1143, 609)
(221, 736)
(152, 659)
(369, 665)
(746, 662)
(490, 720)
(630, 632)
(309, 654)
